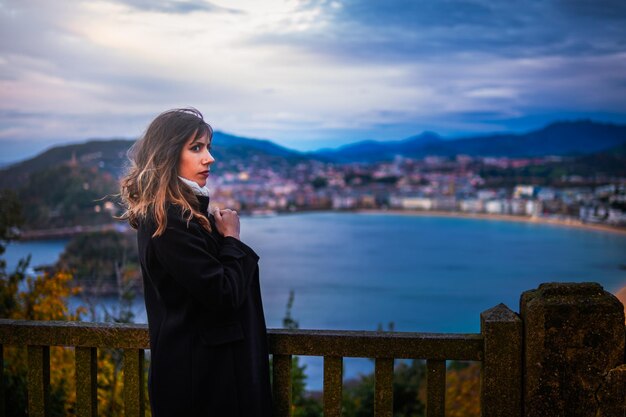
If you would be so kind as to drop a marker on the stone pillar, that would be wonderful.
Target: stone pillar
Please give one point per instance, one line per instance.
(612, 393)
(573, 337)
(501, 376)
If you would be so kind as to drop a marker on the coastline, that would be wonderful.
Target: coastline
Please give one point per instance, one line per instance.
(68, 232)
(501, 217)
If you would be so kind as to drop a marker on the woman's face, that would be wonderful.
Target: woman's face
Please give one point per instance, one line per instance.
(195, 159)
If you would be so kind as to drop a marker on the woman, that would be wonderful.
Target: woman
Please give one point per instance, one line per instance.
(208, 340)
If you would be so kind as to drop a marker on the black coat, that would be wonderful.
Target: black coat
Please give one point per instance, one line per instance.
(208, 339)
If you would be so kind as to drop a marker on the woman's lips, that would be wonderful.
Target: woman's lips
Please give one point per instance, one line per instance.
(205, 173)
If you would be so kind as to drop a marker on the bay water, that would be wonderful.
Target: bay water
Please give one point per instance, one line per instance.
(354, 271)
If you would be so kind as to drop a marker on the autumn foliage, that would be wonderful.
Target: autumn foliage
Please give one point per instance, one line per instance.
(45, 297)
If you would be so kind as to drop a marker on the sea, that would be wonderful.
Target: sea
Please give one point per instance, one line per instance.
(364, 271)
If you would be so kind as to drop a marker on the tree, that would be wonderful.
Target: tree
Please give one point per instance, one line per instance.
(44, 297)
(302, 405)
(319, 182)
(103, 262)
(41, 298)
(75, 197)
(408, 379)
(463, 389)
(10, 218)
(408, 382)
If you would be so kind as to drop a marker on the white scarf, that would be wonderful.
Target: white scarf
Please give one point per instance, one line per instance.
(204, 191)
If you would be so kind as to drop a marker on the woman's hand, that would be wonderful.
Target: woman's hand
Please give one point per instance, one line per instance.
(227, 222)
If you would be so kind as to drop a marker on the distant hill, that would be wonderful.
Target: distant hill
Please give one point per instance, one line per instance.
(577, 138)
(610, 162)
(65, 196)
(106, 155)
(230, 146)
(596, 167)
(110, 156)
(561, 138)
(372, 151)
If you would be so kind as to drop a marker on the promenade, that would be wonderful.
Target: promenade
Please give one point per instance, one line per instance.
(558, 221)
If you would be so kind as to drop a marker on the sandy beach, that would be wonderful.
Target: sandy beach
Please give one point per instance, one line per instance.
(484, 216)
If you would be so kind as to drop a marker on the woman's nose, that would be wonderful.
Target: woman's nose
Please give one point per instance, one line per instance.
(208, 158)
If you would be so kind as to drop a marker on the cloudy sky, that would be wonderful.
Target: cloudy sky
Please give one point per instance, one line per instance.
(308, 73)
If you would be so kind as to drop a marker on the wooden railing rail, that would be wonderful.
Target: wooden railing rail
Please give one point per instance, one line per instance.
(500, 338)
(384, 347)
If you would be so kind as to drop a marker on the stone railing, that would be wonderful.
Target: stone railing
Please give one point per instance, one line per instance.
(563, 355)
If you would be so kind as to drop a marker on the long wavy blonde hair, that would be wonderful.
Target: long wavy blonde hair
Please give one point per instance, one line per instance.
(151, 182)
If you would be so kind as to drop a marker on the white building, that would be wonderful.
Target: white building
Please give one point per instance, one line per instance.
(518, 206)
(343, 202)
(471, 205)
(533, 208)
(494, 206)
(445, 203)
(524, 191)
(616, 217)
(416, 203)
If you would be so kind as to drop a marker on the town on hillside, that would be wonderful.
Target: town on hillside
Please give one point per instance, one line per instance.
(79, 193)
(463, 184)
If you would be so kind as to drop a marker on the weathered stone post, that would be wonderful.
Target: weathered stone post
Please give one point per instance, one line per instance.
(573, 338)
(501, 391)
(612, 393)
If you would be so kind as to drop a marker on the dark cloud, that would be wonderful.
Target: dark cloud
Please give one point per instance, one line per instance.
(607, 10)
(405, 30)
(416, 14)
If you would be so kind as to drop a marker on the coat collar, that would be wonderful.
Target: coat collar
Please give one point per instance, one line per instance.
(197, 190)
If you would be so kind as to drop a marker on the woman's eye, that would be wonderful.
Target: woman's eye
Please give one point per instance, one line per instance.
(195, 148)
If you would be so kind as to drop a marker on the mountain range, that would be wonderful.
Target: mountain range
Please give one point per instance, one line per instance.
(561, 138)
(572, 138)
